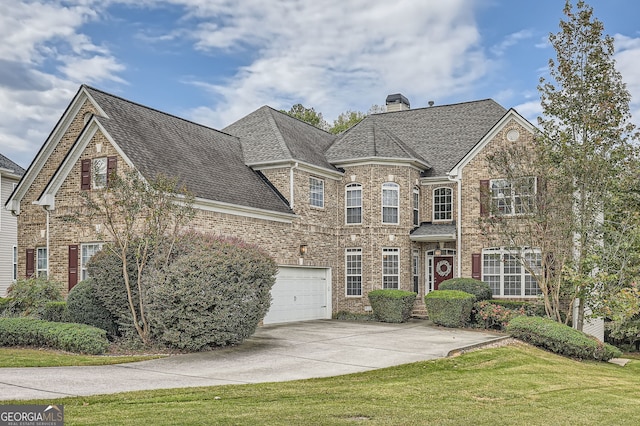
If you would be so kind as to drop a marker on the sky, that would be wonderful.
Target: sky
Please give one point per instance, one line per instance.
(214, 61)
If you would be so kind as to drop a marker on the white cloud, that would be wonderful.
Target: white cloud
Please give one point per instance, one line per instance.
(627, 63)
(338, 55)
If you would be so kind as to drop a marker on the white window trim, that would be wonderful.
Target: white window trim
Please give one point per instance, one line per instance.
(352, 251)
(386, 251)
(415, 270)
(513, 196)
(83, 266)
(311, 192)
(42, 271)
(348, 188)
(502, 252)
(391, 186)
(450, 191)
(96, 171)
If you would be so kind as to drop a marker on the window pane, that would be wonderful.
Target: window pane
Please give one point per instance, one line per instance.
(316, 192)
(390, 268)
(99, 172)
(354, 272)
(390, 203)
(353, 203)
(442, 205)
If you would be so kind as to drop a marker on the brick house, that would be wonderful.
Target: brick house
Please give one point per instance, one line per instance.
(391, 203)
(10, 174)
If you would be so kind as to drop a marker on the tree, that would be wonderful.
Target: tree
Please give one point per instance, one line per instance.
(308, 115)
(588, 137)
(585, 168)
(143, 218)
(349, 118)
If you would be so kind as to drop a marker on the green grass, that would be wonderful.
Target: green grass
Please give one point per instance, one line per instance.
(502, 386)
(14, 357)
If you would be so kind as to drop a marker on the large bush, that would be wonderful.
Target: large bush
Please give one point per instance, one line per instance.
(84, 307)
(560, 338)
(64, 336)
(479, 289)
(29, 297)
(392, 305)
(449, 308)
(105, 269)
(213, 292)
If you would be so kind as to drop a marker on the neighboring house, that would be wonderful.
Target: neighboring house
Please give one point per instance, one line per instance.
(10, 174)
(393, 202)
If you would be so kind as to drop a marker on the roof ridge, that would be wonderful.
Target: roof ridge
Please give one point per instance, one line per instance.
(274, 125)
(439, 106)
(120, 98)
(398, 141)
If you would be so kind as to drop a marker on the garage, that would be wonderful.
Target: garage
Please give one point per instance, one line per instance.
(300, 294)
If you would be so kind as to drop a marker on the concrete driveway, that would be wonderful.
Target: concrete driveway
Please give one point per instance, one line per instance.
(274, 353)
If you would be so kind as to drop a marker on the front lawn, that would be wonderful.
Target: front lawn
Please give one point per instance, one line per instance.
(20, 357)
(507, 385)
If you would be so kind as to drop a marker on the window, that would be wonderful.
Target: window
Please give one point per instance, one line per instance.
(390, 202)
(316, 192)
(15, 263)
(390, 268)
(416, 206)
(504, 270)
(87, 252)
(99, 175)
(442, 204)
(415, 270)
(41, 262)
(510, 198)
(354, 203)
(353, 257)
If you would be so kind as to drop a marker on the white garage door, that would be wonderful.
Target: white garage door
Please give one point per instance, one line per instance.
(300, 294)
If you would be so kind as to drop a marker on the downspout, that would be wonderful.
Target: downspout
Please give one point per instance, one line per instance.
(295, 166)
(46, 210)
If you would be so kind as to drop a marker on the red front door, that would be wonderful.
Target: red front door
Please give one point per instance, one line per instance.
(442, 269)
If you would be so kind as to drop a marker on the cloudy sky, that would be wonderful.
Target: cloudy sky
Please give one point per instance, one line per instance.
(213, 61)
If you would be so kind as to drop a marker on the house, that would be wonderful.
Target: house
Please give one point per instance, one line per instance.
(393, 202)
(10, 174)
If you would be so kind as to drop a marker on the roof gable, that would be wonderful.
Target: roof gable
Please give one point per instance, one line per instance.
(268, 136)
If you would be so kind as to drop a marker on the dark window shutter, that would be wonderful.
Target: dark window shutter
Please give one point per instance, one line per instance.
(31, 261)
(112, 165)
(73, 265)
(476, 266)
(85, 174)
(484, 198)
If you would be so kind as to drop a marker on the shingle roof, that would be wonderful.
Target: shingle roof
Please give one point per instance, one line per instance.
(427, 230)
(208, 162)
(268, 135)
(441, 135)
(5, 163)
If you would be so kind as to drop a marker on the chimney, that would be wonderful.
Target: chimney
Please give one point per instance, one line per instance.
(397, 102)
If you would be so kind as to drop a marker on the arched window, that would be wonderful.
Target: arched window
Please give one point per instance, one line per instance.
(353, 203)
(390, 203)
(442, 204)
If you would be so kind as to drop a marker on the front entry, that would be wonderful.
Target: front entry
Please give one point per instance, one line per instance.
(442, 269)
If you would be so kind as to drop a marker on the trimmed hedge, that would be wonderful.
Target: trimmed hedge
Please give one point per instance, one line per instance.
(560, 338)
(64, 336)
(84, 307)
(449, 308)
(391, 305)
(55, 312)
(479, 289)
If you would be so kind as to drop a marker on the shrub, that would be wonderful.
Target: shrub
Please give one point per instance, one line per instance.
(55, 312)
(214, 292)
(64, 336)
(449, 308)
(495, 316)
(28, 297)
(479, 289)
(352, 316)
(624, 332)
(531, 308)
(84, 307)
(392, 305)
(105, 269)
(4, 304)
(560, 338)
